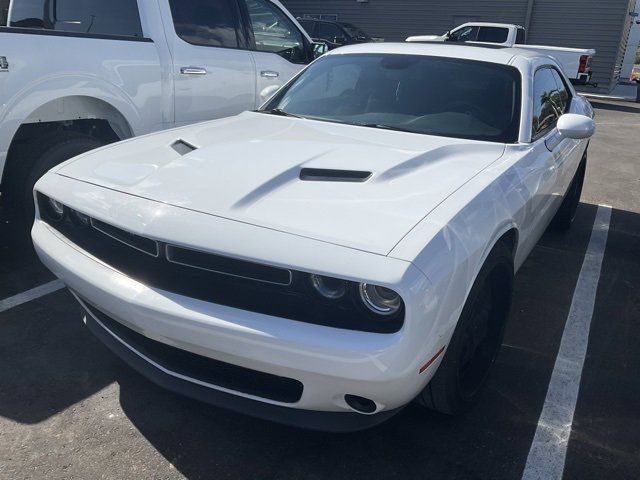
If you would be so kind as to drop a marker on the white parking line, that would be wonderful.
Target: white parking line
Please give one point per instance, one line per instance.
(29, 295)
(549, 448)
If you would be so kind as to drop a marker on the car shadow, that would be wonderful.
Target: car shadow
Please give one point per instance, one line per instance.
(20, 268)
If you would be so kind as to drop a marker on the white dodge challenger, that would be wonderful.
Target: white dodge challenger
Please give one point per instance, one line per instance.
(344, 250)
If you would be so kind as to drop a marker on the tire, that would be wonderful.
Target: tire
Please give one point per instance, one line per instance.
(460, 378)
(52, 151)
(567, 212)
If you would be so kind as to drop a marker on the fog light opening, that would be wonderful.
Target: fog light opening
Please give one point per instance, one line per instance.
(360, 404)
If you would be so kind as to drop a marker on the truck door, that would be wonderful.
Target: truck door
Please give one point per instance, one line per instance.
(280, 49)
(213, 69)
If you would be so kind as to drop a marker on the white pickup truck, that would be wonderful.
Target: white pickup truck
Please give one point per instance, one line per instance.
(575, 62)
(78, 74)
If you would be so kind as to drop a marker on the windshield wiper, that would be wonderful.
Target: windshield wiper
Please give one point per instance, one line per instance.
(279, 111)
(385, 127)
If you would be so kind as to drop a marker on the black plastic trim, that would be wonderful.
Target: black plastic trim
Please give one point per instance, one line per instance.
(311, 419)
(333, 175)
(199, 368)
(59, 33)
(227, 266)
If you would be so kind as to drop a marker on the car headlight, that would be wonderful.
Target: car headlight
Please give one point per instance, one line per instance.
(328, 287)
(380, 300)
(54, 209)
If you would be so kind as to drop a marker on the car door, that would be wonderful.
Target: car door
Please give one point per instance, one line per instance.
(538, 169)
(566, 152)
(213, 68)
(280, 49)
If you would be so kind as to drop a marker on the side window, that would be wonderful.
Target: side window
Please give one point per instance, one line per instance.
(520, 37)
(308, 26)
(493, 34)
(546, 102)
(275, 32)
(563, 92)
(329, 31)
(113, 17)
(211, 23)
(4, 12)
(465, 34)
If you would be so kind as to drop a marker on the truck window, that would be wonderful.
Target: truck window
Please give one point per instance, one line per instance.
(520, 37)
(307, 25)
(4, 12)
(329, 31)
(464, 34)
(274, 32)
(212, 23)
(493, 34)
(547, 105)
(113, 17)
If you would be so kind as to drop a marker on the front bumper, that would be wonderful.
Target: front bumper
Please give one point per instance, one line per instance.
(329, 362)
(313, 419)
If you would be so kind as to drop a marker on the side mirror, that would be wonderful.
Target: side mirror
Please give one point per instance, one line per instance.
(319, 49)
(573, 126)
(576, 127)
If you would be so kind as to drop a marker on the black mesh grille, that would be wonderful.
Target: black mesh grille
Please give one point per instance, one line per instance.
(204, 369)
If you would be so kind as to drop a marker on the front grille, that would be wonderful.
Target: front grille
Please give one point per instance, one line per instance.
(204, 369)
(218, 279)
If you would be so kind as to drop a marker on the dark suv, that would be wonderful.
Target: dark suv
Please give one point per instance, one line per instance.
(335, 34)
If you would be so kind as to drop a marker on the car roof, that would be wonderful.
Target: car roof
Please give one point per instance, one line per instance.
(480, 52)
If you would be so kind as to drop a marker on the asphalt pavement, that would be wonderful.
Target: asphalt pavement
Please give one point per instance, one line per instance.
(70, 409)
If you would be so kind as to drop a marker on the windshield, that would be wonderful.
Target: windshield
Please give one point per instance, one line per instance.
(413, 93)
(354, 31)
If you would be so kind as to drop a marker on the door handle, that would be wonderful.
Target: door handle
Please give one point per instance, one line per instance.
(4, 65)
(193, 71)
(269, 74)
(553, 141)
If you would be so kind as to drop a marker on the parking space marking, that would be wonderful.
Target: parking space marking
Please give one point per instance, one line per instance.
(549, 448)
(29, 295)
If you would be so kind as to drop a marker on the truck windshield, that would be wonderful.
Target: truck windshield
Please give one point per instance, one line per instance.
(413, 93)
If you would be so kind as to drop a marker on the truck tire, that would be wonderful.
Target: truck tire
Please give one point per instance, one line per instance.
(52, 151)
(566, 213)
(460, 378)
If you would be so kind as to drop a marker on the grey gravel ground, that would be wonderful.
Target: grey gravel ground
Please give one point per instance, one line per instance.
(70, 409)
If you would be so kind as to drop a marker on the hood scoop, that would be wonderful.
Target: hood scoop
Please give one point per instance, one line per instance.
(333, 175)
(183, 147)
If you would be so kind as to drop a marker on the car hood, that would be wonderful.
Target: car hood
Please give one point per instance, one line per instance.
(248, 168)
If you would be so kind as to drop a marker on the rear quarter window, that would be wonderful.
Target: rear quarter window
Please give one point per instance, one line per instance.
(493, 34)
(100, 17)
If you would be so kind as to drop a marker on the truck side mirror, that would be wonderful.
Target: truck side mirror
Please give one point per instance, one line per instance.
(319, 49)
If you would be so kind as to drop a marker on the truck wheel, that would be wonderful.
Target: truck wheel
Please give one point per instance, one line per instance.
(460, 378)
(52, 151)
(567, 211)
